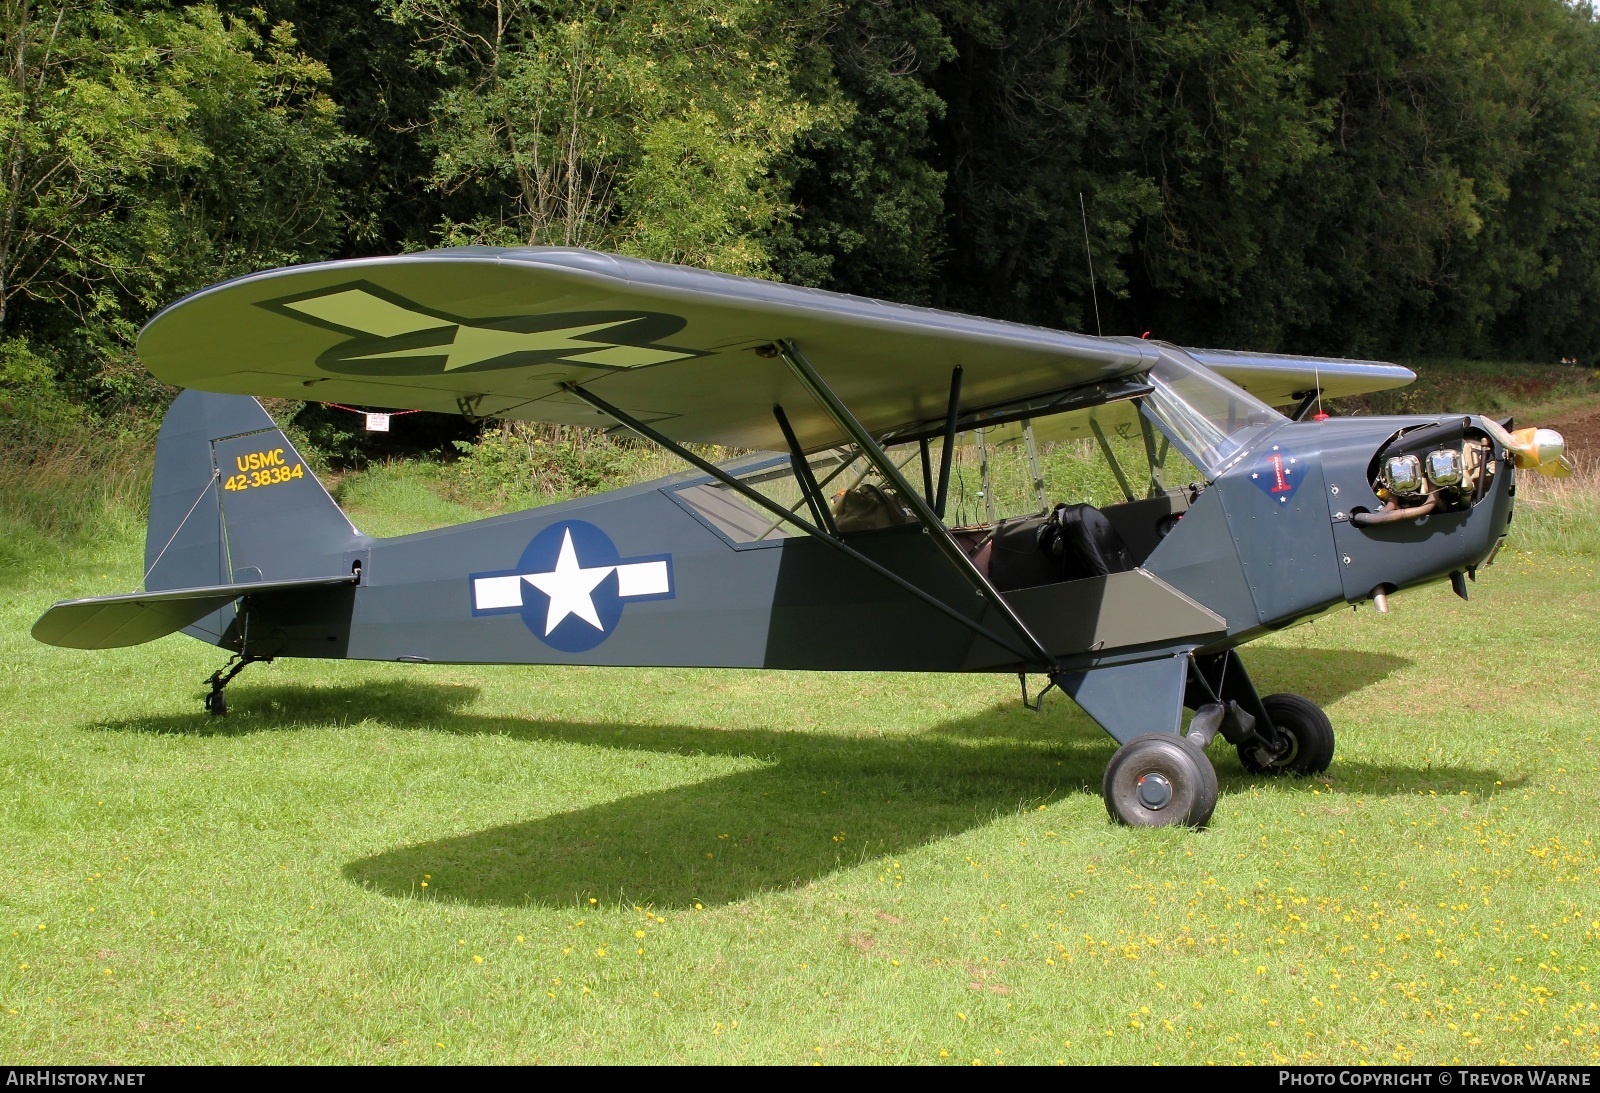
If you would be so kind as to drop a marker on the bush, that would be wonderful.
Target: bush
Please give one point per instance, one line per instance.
(522, 464)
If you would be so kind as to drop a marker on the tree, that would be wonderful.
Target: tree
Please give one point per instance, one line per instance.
(1465, 149)
(147, 153)
(649, 127)
(1175, 121)
(870, 216)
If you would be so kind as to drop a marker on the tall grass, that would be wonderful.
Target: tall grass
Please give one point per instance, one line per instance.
(1559, 515)
(66, 482)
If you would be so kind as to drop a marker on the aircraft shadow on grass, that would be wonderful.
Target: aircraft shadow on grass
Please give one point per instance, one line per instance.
(285, 707)
(819, 803)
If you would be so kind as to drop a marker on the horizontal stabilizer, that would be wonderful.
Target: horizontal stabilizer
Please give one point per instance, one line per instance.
(113, 622)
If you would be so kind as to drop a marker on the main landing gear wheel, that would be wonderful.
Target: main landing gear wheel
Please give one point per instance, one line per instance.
(1159, 779)
(1310, 735)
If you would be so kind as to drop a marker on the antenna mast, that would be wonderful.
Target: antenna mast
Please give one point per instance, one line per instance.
(1087, 253)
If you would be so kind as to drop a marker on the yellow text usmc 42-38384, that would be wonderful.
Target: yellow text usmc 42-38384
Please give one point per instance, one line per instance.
(266, 468)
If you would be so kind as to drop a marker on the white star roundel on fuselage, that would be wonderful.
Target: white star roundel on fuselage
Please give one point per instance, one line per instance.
(570, 586)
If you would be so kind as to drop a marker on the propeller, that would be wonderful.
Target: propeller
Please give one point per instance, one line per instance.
(1541, 450)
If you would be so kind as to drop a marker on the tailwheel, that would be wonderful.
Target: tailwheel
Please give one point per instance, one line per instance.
(1159, 779)
(1301, 723)
(216, 699)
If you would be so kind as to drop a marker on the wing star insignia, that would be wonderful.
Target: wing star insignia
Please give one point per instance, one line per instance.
(388, 334)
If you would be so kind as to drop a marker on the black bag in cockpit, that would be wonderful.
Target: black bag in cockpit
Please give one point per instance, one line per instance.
(1083, 543)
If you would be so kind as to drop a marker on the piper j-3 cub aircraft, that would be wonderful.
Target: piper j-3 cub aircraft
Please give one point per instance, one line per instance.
(831, 548)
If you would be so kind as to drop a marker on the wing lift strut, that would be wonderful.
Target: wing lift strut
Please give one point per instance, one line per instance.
(1025, 645)
(1036, 654)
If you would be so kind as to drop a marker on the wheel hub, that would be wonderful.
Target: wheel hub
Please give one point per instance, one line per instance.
(1154, 791)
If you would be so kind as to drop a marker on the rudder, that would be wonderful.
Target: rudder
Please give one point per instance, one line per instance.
(233, 502)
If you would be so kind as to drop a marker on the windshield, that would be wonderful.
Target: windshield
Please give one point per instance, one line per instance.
(1207, 418)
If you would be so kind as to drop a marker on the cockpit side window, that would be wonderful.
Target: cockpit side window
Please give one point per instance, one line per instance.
(1103, 455)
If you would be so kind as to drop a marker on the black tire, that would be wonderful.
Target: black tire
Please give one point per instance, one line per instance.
(1175, 768)
(217, 704)
(1303, 721)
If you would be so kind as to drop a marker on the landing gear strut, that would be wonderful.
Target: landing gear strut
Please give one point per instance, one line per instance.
(1304, 727)
(216, 700)
(1161, 775)
(1279, 734)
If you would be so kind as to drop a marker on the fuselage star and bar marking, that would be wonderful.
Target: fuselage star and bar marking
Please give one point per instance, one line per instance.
(570, 586)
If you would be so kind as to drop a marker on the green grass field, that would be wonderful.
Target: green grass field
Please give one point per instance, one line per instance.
(402, 863)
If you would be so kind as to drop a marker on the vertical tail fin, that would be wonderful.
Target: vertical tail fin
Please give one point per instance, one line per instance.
(234, 502)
